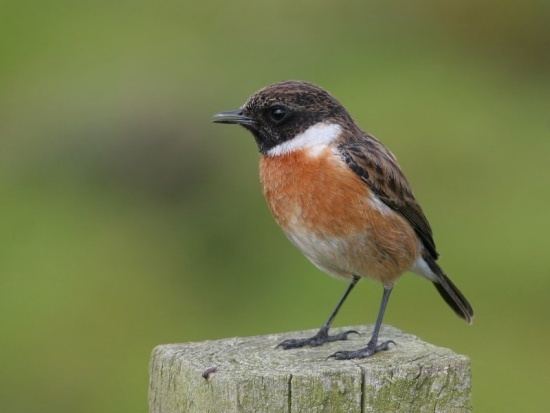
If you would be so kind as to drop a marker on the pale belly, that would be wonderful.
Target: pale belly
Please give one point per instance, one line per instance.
(338, 256)
(356, 254)
(330, 215)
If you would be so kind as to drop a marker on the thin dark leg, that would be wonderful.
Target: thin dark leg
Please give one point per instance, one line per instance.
(372, 346)
(330, 319)
(322, 335)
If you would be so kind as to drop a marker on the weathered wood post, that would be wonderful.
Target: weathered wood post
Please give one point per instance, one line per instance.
(250, 375)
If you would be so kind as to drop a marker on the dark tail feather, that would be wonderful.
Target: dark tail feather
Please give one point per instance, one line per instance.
(450, 293)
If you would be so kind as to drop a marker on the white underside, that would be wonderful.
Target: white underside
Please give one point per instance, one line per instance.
(327, 254)
(420, 267)
(316, 138)
(330, 255)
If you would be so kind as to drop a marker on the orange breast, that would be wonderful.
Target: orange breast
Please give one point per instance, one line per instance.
(320, 198)
(320, 192)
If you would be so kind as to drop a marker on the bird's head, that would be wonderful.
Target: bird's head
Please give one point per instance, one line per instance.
(283, 111)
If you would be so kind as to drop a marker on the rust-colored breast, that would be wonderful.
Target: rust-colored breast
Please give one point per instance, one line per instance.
(317, 192)
(321, 197)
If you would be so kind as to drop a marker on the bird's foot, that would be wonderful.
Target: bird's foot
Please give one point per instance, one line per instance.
(318, 339)
(371, 349)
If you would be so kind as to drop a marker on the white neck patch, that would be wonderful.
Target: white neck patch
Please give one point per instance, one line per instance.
(316, 137)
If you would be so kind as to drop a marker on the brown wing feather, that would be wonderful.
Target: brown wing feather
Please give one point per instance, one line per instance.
(378, 168)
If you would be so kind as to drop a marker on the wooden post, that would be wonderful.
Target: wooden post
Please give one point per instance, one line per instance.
(250, 375)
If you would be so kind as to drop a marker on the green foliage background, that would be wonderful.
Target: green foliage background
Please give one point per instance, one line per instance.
(128, 219)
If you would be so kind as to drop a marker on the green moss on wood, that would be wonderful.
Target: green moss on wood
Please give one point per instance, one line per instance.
(253, 376)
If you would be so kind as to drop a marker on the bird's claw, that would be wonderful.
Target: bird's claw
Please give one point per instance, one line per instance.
(368, 351)
(318, 339)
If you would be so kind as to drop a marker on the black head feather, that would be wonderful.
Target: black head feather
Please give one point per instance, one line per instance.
(279, 112)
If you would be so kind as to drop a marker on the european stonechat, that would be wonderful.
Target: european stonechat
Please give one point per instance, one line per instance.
(341, 198)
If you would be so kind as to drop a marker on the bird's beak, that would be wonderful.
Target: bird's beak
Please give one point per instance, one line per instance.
(233, 117)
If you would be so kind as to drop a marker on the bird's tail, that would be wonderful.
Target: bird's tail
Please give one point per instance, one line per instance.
(450, 293)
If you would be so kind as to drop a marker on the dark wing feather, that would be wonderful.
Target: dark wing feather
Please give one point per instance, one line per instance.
(378, 168)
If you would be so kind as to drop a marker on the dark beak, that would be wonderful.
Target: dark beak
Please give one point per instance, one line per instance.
(233, 117)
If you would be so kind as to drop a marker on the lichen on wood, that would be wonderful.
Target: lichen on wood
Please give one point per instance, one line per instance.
(250, 374)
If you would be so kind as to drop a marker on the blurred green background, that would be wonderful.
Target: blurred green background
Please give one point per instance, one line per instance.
(129, 220)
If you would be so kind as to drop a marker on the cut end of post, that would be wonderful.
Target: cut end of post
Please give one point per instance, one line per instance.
(250, 374)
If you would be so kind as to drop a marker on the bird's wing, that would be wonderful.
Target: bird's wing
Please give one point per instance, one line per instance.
(378, 168)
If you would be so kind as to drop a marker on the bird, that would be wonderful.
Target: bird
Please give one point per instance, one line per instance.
(341, 198)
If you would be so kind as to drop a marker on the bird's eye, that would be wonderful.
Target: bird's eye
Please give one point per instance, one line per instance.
(278, 113)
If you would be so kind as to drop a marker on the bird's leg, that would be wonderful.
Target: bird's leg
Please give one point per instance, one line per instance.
(322, 335)
(372, 346)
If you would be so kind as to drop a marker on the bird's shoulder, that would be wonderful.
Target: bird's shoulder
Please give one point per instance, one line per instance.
(378, 168)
